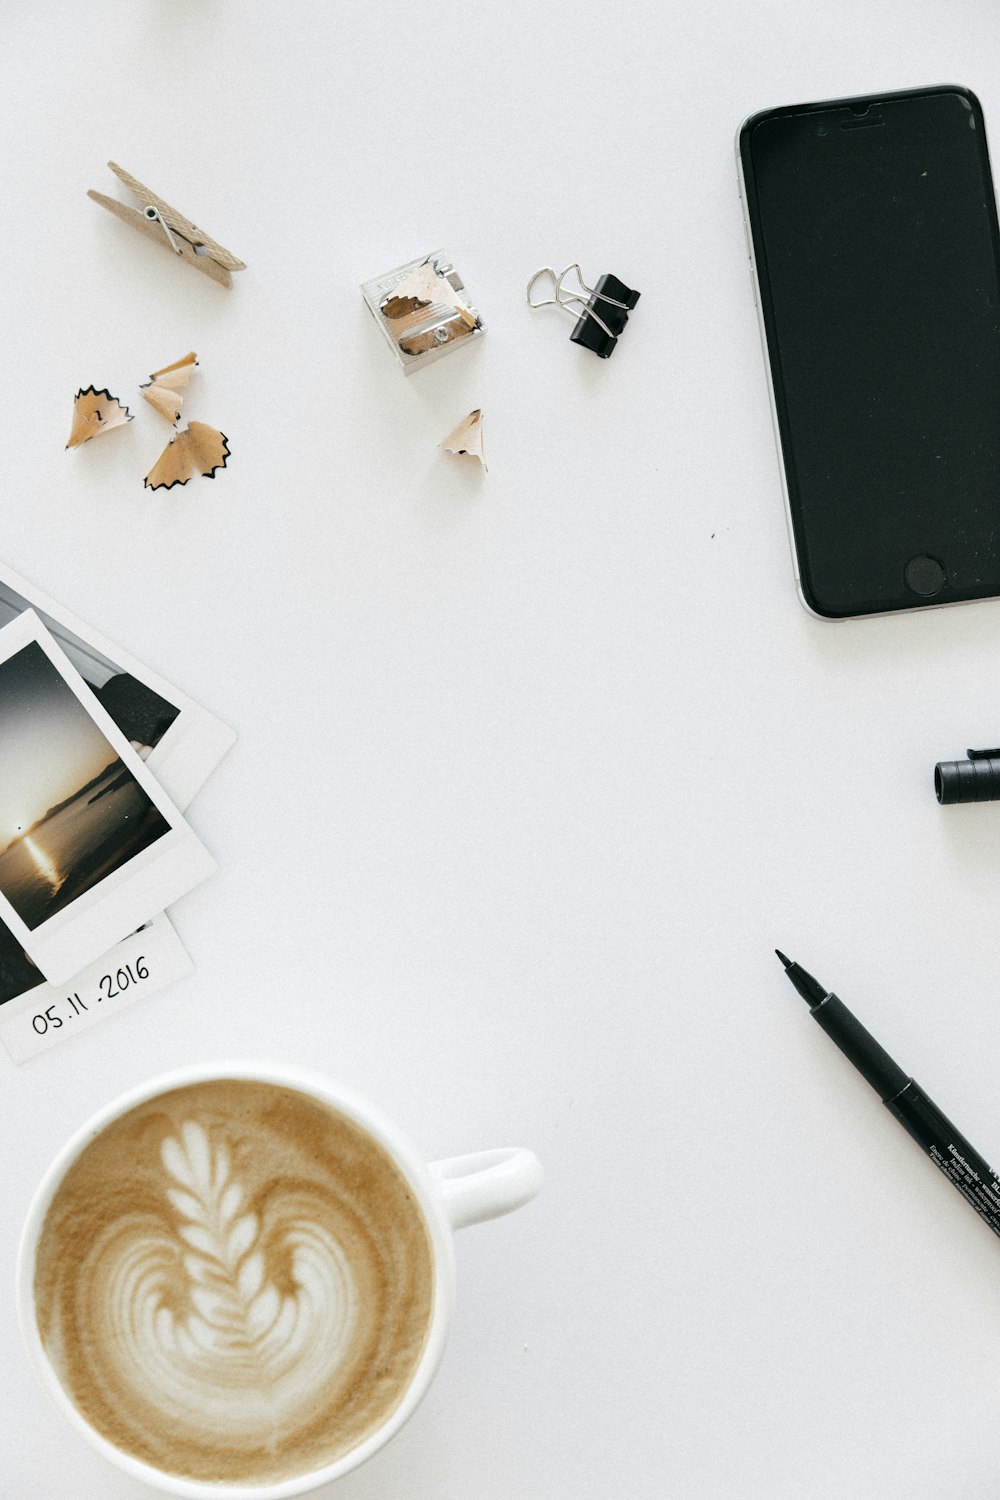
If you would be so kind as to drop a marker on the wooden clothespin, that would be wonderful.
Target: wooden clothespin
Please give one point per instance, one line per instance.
(167, 227)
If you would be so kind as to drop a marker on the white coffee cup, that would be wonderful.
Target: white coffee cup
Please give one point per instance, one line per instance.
(451, 1194)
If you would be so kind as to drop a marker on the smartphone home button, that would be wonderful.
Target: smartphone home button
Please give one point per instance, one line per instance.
(925, 576)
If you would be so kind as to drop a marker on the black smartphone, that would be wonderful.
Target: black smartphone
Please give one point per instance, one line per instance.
(875, 257)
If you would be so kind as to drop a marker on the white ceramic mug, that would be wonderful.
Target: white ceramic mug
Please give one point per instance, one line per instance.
(453, 1193)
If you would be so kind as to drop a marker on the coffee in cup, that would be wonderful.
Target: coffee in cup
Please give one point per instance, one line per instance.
(240, 1280)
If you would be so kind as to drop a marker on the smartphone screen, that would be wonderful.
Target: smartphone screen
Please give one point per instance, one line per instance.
(874, 234)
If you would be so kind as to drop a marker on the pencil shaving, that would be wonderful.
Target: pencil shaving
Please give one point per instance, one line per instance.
(467, 437)
(199, 449)
(165, 388)
(95, 412)
(426, 288)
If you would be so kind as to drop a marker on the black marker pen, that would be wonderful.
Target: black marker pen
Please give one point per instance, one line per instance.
(919, 1115)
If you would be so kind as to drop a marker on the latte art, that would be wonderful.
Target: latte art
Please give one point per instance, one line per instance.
(232, 1352)
(233, 1283)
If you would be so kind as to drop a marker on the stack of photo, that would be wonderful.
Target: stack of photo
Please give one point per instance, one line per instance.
(98, 757)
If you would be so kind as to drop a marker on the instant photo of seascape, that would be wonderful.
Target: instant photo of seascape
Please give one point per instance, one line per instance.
(71, 812)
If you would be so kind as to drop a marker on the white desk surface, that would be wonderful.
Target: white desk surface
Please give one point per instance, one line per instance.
(535, 768)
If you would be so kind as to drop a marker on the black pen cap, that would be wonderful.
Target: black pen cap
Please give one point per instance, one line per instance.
(974, 780)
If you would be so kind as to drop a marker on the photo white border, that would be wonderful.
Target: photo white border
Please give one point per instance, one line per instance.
(196, 741)
(126, 898)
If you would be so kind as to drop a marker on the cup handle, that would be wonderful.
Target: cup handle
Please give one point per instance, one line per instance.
(486, 1184)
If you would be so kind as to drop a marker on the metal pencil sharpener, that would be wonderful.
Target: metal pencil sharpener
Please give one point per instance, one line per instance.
(422, 310)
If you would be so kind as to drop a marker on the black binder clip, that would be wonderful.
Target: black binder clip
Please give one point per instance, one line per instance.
(597, 329)
(974, 780)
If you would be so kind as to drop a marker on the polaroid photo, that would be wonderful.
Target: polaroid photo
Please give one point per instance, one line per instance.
(180, 742)
(90, 844)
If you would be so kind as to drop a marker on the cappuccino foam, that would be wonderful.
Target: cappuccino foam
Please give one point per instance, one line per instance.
(234, 1283)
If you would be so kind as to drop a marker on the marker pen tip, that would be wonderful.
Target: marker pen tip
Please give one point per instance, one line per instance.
(809, 988)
